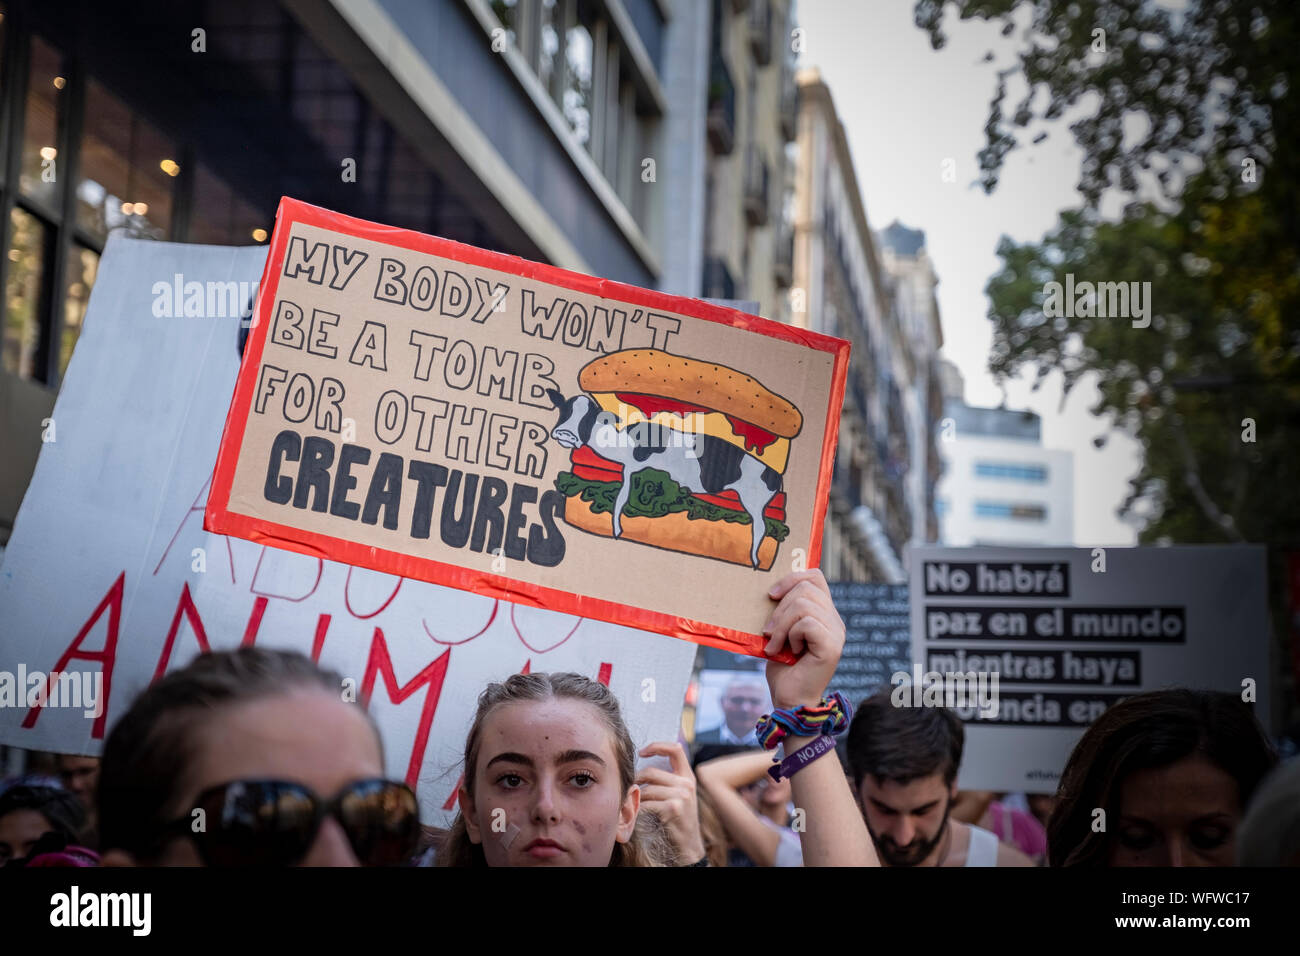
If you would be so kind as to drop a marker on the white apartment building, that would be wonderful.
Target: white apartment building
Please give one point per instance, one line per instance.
(1000, 486)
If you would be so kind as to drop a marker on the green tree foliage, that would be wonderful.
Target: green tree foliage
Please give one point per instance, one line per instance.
(1190, 114)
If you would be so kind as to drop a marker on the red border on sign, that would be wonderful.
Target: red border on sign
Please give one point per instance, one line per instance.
(219, 519)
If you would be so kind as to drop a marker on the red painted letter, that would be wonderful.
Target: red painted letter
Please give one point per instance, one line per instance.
(433, 675)
(107, 657)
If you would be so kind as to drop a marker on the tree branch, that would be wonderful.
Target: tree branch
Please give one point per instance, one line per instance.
(1193, 478)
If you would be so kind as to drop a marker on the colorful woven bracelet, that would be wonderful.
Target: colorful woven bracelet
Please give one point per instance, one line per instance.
(829, 717)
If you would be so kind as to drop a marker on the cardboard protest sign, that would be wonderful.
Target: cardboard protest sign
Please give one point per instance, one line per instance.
(1034, 644)
(436, 411)
(109, 579)
(877, 640)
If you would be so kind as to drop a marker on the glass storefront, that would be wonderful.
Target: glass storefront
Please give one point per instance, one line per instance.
(128, 171)
(149, 147)
(27, 263)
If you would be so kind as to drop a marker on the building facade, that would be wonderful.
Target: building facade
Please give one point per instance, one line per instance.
(914, 280)
(1000, 485)
(523, 126)
(843, 286)
(750, 122)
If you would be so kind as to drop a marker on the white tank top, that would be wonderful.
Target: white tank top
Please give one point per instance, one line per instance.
(983, 849)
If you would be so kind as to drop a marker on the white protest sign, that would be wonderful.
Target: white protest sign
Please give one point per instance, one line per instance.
(110, 579)
(1038, 642)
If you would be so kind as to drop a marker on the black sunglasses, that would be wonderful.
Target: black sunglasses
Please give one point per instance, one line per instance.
(274, 823)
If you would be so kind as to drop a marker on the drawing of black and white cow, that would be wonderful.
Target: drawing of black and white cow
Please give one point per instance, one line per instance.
(699, 463)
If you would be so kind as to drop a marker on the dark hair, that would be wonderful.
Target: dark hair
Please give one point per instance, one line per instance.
(903, 743)
(648, 845)
(150, 748)
(708, 752)
(1145, 732)
(60, 808)
(1270, 830)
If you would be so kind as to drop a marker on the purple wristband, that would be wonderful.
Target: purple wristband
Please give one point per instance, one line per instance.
(802, 757)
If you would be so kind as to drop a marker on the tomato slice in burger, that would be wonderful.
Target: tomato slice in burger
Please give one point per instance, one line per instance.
(590, 466)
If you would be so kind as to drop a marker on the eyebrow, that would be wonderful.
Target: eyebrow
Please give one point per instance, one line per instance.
(1219, 817)
(569, 756)
(923, 808)
(510, 757)
(576, 756)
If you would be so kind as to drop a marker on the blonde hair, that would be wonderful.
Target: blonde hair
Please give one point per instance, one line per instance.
(712, 832)
(647, 846)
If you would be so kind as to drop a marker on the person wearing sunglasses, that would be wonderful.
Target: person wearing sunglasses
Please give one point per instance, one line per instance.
(250, 758)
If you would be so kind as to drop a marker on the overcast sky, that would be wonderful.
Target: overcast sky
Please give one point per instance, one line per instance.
(907, 108)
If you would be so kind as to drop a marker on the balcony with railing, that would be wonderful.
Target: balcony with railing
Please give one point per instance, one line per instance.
(722, 106)
(788, 113)
(783, 257)
(757, 201)
(760, 31)
(856, 396)
(846, 486)
(718, 283)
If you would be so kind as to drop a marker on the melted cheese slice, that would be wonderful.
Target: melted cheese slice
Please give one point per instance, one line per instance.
(775, 456)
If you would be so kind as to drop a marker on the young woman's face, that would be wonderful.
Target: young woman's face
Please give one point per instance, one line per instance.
(546, 788)
(304, 736)
(1185, 814)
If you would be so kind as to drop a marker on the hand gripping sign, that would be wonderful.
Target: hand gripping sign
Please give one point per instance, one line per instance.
(440, 412)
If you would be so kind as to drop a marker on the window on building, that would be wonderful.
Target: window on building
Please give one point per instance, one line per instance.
(220, 216)
(1007, 510)
(615, 131)
(29, 259)
(575, 50)
(81, 269)
(1012, 472)
(83, 162)
(579, 51)
(324, 100)
(86, 165)
(125, 177)
(4, 127)
(549, 46)
(507, 12)
(45, 102)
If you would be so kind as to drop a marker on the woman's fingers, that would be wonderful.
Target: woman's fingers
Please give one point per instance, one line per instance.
(805, 619)
(774, 645)
(654, 794)
(801, 601)
(659, 777)
(673, 751)
(782, 587)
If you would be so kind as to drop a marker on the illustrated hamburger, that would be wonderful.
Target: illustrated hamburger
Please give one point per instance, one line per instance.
(705, 446)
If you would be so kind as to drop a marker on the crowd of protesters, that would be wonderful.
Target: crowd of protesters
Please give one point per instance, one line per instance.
(253, 757)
